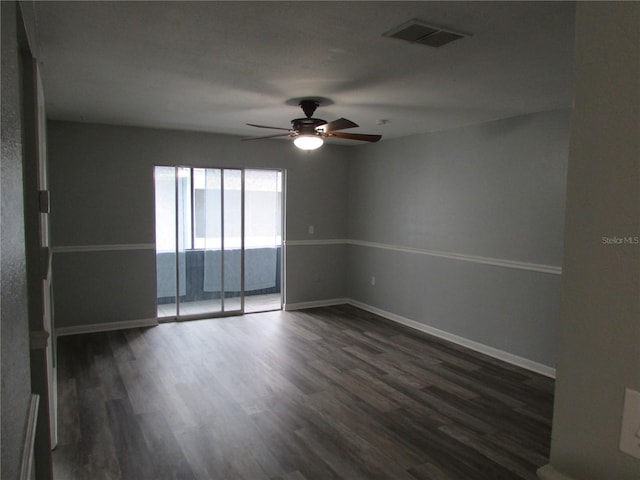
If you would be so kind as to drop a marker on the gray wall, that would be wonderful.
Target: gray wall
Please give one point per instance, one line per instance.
(16, 390)
(102, 195)
(600, 320)
(494, 191)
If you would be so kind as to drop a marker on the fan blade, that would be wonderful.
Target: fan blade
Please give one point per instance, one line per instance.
(268, 136)
(339, 124)
(355, 136)
(265, 126)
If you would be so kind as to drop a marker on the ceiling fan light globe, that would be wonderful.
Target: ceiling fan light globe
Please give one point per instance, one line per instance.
(308, 142)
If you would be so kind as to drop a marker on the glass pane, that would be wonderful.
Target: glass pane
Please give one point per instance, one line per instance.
(165, 196)
(263, 239)
(232, 239)
(208, 215)
(207, 208)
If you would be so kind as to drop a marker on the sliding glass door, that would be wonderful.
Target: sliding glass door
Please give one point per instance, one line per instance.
(263, 239)
(213, 246)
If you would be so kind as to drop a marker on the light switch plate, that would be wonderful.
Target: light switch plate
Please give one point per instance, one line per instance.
(630, 431)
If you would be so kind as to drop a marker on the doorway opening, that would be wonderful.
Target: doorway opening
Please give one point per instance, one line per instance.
(218, 241)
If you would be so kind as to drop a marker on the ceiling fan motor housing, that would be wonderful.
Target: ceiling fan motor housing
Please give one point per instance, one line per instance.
(307, 126)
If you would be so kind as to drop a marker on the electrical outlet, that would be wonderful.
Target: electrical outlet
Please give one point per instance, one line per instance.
(630, 431)
(311, 230)
(373, 280)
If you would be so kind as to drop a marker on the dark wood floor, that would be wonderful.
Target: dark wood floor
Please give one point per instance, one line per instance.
(318, 394)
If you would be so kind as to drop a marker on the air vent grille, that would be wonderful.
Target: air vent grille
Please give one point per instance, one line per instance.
(416, 31)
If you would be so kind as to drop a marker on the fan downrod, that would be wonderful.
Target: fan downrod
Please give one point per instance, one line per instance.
(308, 107)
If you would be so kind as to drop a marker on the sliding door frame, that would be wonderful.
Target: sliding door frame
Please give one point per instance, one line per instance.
(177, 317)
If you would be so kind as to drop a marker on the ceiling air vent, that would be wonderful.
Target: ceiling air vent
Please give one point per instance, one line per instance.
(415, 31)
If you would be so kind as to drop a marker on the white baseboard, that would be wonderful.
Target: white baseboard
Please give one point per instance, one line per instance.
(549, 473)
(106, 327)
(316, 303)
(478, 347)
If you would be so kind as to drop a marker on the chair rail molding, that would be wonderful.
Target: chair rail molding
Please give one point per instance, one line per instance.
(104, 248)
(498, 262)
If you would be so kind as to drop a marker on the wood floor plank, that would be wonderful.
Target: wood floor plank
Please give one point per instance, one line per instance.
(168, 459)
(289, 451)
(96, 449)
(428, 471)
(325, 393)
(128, 438)
(68, 420)
(357, 388)
(480, 444)
(365, 426)
(470, 382)
(358, 446)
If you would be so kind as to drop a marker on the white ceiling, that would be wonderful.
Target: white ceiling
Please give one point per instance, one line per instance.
(214, 66)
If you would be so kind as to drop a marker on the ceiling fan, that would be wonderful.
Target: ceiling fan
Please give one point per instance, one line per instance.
(309, 133)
